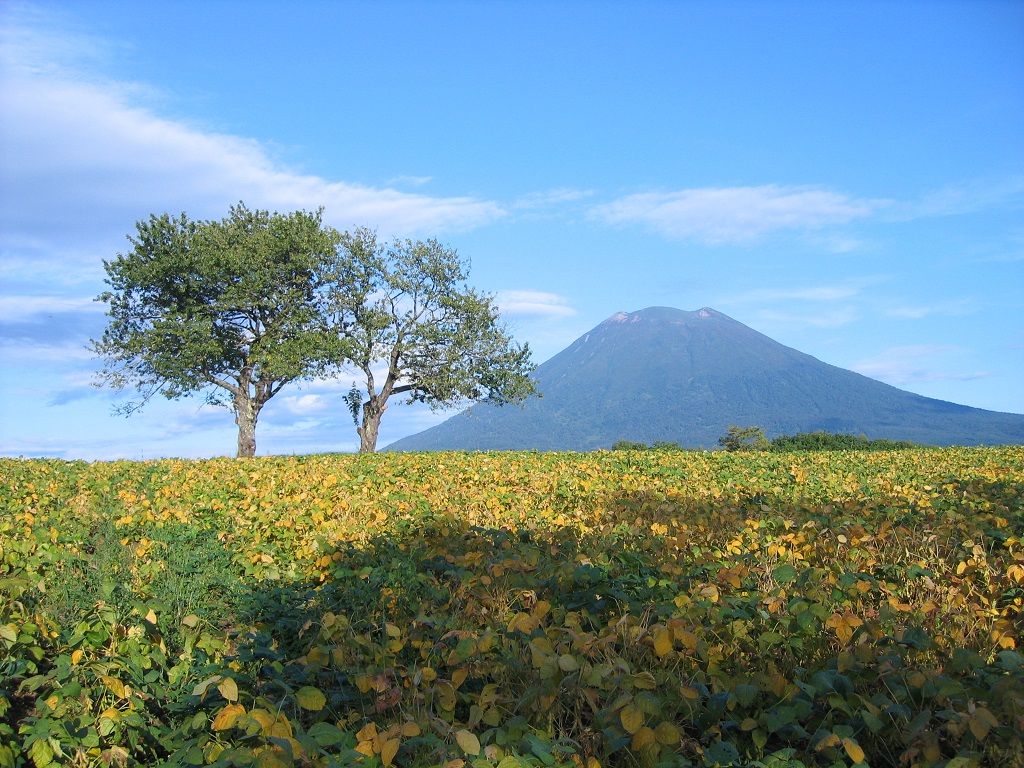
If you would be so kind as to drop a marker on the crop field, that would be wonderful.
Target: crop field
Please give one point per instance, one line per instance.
(625, 608)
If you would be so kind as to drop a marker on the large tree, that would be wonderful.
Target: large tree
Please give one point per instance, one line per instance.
(411, 326)
(232, 309)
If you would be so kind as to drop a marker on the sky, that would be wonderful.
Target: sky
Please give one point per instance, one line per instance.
(847, 178)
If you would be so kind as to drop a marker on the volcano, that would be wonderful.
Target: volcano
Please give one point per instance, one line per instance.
(668, 375)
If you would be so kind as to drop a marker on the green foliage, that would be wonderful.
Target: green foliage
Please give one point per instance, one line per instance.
(229, 308)
(406, 305)
(640, 608)
(828, 441)
(744, 439)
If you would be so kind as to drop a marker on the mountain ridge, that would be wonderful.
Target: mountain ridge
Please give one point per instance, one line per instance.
(672, 375)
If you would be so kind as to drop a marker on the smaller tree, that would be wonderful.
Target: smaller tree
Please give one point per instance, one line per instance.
(229, 308)
(744, 439)
(409, 325)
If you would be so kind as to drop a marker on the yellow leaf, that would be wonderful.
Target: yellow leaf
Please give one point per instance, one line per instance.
(645, 681)
(468, 741)
(832, 740)
(115, 686)
(410, 729)
(227, 716)
(853, 749)
(228, 689)
(389, 749)
(367, 733)
(392, 630)
(687, 638)
(264, 718)
(364, 683)
(645, 737)
(666, 733)
(981, 722)
(632, 718)
(459, 676)
(282, 728)
(365, 747)
(662, 641)
(77, 656)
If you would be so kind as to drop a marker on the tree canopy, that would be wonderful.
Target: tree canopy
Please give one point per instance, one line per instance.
(237, 309)
(409, 325)
(744, 439)
(233, 309)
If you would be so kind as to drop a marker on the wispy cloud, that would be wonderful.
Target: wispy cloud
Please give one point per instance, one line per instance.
(25, 308)
(533, 303)
(87, 149)
(815, 293)
(735, 214)
(964, 197)
(913, 364)
(831, 318)
(917, 311)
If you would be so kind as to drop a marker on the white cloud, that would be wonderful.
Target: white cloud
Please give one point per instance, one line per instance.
(23, 308)
(735, 214)
(966, 197)
(831, 319)
(18, 351)
(303, 405)
(913, 364)
(533, 303)
(82, 161)
(916, 312)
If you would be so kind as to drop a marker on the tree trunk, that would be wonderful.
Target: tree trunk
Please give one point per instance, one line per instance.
(372, 411)
(246, 413)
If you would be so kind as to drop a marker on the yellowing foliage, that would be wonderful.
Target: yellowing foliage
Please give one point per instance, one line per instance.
(501, 609)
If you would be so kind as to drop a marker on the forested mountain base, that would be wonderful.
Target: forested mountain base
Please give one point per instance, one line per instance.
(621, 608)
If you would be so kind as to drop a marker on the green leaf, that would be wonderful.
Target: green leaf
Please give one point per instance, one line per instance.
(721, 753)
(746, 694)
(310, 698)
(325, 734)
(784, 574)
(41, 753)
(777, 717)
(468, 741)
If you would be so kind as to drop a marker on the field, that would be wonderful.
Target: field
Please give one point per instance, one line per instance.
(626, 608)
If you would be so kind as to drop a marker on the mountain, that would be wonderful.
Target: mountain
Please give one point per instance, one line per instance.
(664, 374)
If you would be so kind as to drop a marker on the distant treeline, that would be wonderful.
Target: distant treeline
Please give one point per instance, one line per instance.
(805, 441)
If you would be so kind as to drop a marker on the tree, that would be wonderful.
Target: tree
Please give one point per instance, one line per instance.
(409, 325)
(233, 309)
(744, 439)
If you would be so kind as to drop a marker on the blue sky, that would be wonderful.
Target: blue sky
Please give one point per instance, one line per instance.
(847, 178)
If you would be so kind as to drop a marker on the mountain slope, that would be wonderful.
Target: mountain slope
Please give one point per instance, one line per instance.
(664, 374)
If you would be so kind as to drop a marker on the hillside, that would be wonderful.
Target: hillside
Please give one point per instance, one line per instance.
(665, 374)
